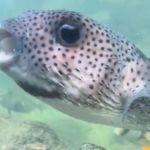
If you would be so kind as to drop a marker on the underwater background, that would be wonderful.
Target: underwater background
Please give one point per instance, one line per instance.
(131, 18)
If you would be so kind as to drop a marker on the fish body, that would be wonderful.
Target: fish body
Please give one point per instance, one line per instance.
(78, 66)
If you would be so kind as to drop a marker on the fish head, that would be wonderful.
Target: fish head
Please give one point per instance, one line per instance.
(57, 49)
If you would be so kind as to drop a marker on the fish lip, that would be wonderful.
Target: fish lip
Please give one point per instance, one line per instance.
(8, 52)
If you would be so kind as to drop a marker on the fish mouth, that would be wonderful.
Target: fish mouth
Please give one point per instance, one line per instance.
(8, 48)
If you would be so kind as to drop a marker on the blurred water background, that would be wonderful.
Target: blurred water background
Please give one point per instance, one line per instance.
(128, 17)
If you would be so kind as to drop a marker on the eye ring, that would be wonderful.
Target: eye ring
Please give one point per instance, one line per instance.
(68, 34)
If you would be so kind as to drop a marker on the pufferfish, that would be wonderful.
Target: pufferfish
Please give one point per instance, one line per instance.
(78, 66)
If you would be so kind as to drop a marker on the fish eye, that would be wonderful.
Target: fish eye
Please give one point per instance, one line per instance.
(68, 35)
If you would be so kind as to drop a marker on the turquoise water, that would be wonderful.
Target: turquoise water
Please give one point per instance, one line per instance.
(130, 18)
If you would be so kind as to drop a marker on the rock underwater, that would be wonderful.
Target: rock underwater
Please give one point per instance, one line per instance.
(18, 135)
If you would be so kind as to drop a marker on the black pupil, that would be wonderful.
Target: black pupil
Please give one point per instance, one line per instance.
(70, 34)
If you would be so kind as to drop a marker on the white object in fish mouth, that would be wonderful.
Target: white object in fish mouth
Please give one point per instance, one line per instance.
(6, 60)
(5, 57)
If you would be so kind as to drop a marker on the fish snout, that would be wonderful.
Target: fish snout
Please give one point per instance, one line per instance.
(9, 48)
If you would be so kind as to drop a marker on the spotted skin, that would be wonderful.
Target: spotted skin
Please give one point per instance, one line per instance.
(94, 78)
